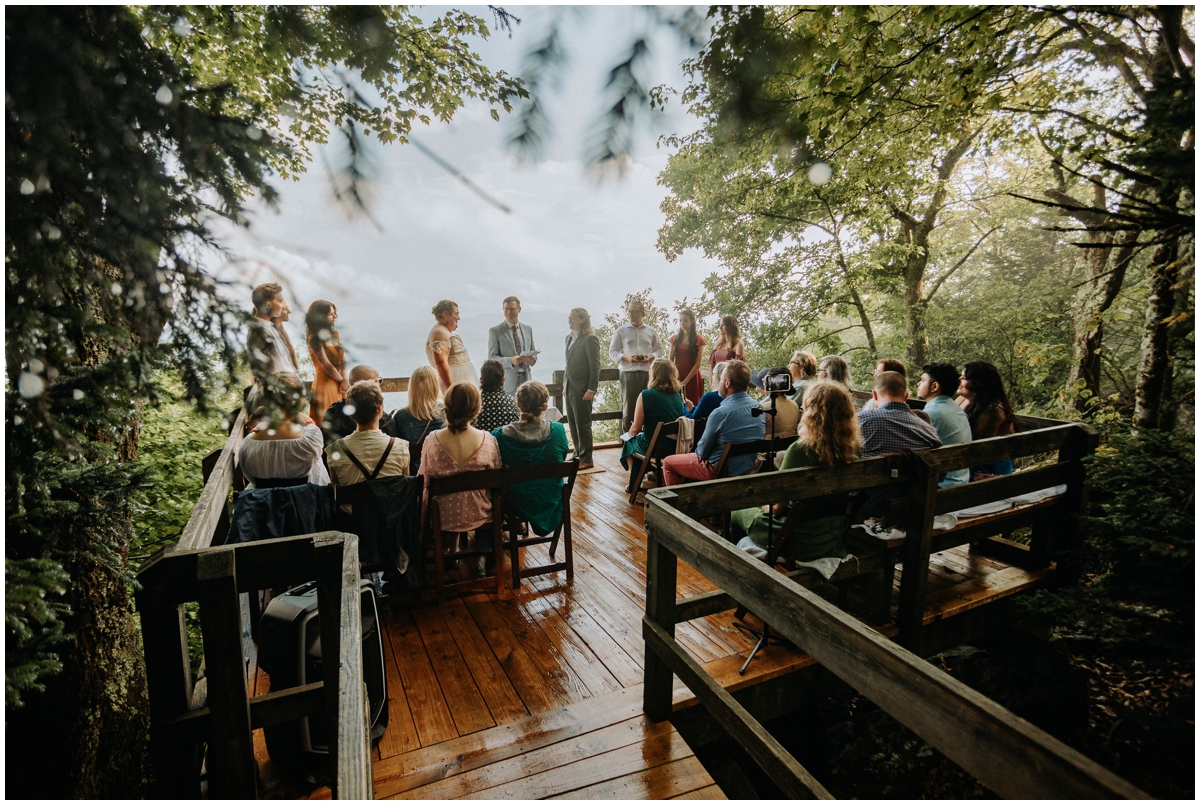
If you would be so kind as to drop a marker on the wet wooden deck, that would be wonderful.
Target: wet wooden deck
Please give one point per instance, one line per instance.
(537, 694)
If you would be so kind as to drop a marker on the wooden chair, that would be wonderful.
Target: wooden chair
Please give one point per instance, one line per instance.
(491, 481)
(662, 432)
(565, 470)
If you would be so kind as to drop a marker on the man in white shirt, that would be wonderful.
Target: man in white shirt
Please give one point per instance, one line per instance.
(507, 341)
(634, 347)
(360, 456)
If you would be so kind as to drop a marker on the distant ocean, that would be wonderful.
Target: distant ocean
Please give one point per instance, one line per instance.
(397, 346)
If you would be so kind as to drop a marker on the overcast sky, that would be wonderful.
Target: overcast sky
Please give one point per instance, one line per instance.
(569, 241)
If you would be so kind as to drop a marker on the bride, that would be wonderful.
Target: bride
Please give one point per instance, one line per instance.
(445, 351)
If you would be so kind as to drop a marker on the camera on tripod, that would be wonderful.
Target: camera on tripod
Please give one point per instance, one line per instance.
(780, 383)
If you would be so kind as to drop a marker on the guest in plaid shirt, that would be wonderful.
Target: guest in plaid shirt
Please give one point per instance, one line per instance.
(499, 409)
(889, 428)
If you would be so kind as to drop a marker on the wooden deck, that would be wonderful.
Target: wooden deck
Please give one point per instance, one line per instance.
(537, 694)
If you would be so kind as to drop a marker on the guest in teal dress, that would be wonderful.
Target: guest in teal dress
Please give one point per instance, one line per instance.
(528, 441)
(829, 436)
(662, 401)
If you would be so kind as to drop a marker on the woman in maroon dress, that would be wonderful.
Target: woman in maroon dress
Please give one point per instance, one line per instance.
(687, 352)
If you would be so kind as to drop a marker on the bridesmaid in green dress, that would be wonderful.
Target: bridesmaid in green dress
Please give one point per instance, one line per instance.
(662, 401)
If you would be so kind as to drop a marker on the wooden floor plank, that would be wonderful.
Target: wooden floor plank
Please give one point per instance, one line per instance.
(401, 735)
(507, 778)
(540, 690)
(498, 691)
(469, 752)
(654, 748)
(711, 792)
(542, 651)
(466, 704)
(430, 714)
(667, 781)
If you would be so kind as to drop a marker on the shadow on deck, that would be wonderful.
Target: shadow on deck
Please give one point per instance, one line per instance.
(538, 693)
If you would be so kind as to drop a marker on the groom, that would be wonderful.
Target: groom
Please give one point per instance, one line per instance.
(507, 341)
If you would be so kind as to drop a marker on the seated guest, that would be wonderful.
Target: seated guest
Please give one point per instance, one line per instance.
(531, 441)
(803, 368)
(709, 402)
(886, 365)
(337, 423)
(889, 428)
(982, 397)
(457, 448)
(829, 437)
(498, 408)
(787, 412)
(285, 447)
(422, 416)
(661, 402)
(367, 453)
(834, 368)
(731, 423)
(936, 387)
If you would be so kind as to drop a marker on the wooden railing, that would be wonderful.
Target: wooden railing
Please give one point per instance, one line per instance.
(218, 710)
(1006, 753)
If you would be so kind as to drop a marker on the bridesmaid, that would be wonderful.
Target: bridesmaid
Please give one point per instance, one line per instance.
(729, 344)
(687, 353)
(328, 357)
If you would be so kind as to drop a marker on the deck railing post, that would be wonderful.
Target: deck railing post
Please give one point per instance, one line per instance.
(921, 503)
(233, 770)
(328, 555)
(168, 675)
(1080, 443)
(559, 377)
(661, 576)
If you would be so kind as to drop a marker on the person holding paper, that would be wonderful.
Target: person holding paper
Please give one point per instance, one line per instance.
(634, 347)
(511, 343)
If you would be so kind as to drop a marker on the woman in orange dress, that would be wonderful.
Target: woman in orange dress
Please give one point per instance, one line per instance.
(328, 357)
(687, 352)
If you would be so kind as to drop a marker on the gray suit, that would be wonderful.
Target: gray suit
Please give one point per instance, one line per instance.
(503, 348)
(582, 375)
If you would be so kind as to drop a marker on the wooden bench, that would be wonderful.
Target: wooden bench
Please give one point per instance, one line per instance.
(917, 475)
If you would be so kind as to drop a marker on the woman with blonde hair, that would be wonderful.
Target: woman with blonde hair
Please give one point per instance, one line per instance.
(581, 380)
(445, 350)
(829, 437)
(532, 440)
(662, 401)
(422, 416)
(834, 368)
(729, 345)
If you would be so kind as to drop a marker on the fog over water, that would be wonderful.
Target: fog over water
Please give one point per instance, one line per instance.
(569, 241)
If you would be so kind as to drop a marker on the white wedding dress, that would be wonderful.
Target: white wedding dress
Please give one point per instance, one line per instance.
(461, 368)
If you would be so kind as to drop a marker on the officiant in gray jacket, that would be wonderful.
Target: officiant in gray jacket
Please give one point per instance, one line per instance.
(582, 378)
(507, 341)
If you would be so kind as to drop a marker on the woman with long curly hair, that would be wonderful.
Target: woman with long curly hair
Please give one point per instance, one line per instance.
(981, 395)
(329, 359)
(829, 437)
(729, 345)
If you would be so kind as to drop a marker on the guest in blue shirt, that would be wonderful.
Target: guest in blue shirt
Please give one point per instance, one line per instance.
(732, 422)
(938, 383)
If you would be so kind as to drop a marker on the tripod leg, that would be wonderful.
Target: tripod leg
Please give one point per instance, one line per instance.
(762, 641)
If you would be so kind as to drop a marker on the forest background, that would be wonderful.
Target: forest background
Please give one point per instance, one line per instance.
(1013, 184)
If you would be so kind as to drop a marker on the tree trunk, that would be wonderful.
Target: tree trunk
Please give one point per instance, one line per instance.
(865, 319)
(1156, 375)
(1106, 274)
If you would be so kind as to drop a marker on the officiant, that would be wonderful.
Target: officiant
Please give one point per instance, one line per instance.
(511, 343)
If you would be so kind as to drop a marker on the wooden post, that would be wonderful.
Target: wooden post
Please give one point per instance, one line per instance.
(915, 575)
(233, 770)
(1080, 442)
(661, 567)
(328, 550)
(169, 677)
(558, 378)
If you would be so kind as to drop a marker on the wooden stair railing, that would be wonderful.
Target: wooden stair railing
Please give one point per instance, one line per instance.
(216, 577)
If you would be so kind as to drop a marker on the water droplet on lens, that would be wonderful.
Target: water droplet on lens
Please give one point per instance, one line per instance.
(77, 394)
(820, 173)
(116, 289)
(26, 187)
(164, 95)
(30, 385)
(36, 366)
(348, 409)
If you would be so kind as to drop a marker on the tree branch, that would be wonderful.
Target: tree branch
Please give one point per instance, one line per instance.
(938, 284)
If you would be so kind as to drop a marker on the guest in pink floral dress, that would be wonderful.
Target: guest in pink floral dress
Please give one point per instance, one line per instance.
(456, 448)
